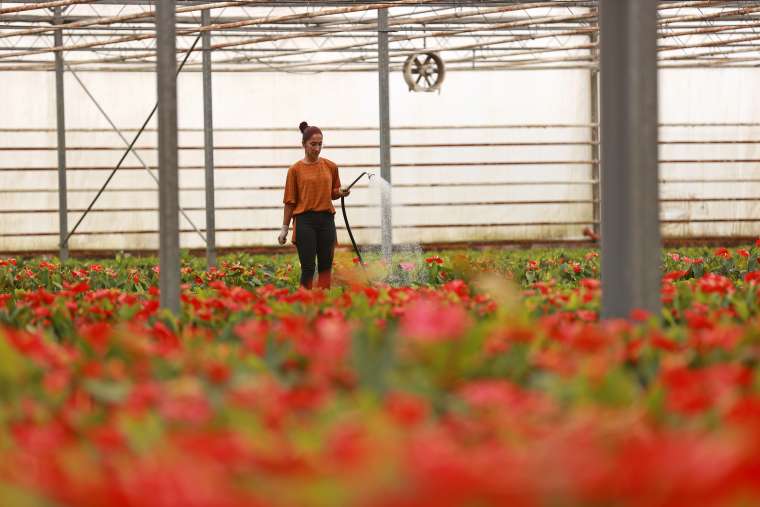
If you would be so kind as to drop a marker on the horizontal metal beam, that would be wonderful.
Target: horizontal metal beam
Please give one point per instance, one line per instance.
(336, 3)
(396, 227)
(395, 204)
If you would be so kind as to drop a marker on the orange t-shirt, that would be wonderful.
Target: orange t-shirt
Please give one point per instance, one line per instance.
(312, 187)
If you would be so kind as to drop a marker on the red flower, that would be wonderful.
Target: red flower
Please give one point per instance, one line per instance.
(42, 312)
(254, 334)
(406, 409)
(723, 253)
(166, 340)
(667, 293)
(434, 260)
(218, 372)
(502, 395)
(427, 320)
(744, 253)
(348, 446)
(591, 283)
(685, 390)
(693, 391)
(675, 275)
(717, 338)
(78, 288)
(746, 411)
(458, 287)
(333, 342)
(661, 342)
(696, 319)
(96, 335)
(640, 315)
(108, 438)
(715, 284)
(188, 408)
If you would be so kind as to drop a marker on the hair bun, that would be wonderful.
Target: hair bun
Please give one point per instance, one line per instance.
(303, 126)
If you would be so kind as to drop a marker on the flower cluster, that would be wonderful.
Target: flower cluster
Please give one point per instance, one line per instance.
(492, 383)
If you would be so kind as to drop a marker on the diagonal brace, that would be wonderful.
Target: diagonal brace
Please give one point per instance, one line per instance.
(129, 149)
(129, 146)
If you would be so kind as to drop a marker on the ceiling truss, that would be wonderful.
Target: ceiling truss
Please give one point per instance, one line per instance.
(341, 36)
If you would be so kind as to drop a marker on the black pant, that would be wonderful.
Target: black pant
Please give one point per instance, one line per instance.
(315, 237)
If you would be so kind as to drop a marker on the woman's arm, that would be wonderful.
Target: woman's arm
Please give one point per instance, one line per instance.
(337, 191)
(289, 200)
(287, 215)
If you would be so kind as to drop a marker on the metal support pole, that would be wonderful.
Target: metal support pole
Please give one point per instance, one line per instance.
(208, 144)
(386, 229)
(168, 174)
(594, 105)
(63, 210)
(630, 213)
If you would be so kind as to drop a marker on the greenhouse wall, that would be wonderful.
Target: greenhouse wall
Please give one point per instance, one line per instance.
(445, 193)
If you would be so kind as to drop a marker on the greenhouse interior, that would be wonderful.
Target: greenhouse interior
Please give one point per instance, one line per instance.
(527, 271)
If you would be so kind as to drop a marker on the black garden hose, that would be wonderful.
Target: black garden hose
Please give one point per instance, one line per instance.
(348, 226)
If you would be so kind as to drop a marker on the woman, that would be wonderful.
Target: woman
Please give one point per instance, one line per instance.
(311, 186)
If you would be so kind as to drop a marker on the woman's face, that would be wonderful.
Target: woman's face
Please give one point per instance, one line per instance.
(313, 146)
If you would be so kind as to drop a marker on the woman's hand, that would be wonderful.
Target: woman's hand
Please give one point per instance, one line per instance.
(283, 237)
(343, 192)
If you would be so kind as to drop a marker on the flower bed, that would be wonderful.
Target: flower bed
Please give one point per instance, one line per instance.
(468, 379)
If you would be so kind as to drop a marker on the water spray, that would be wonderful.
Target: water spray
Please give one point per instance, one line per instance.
(345, 218)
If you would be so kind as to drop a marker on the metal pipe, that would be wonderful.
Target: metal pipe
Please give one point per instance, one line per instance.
(168, 193)
(8, 190)
(418, 165)
(385, 134)
(541, 202)
(726, 14)
(594, 145)
(43, 5)
(208, 144)
(373, 206)
(359, 146)
(108, 20)
(398, 127)
(221, 26)
(629, 211)
(63, 212)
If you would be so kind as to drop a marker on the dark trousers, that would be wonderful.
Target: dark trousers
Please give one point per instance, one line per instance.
(315, 237)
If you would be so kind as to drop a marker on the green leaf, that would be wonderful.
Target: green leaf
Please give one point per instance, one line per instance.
(106, 391)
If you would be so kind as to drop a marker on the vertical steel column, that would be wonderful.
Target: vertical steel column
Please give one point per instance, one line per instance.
(385, 133)
(63, 211)
(594, 105)
(208, 144)
(630, 212)
(168, 174)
